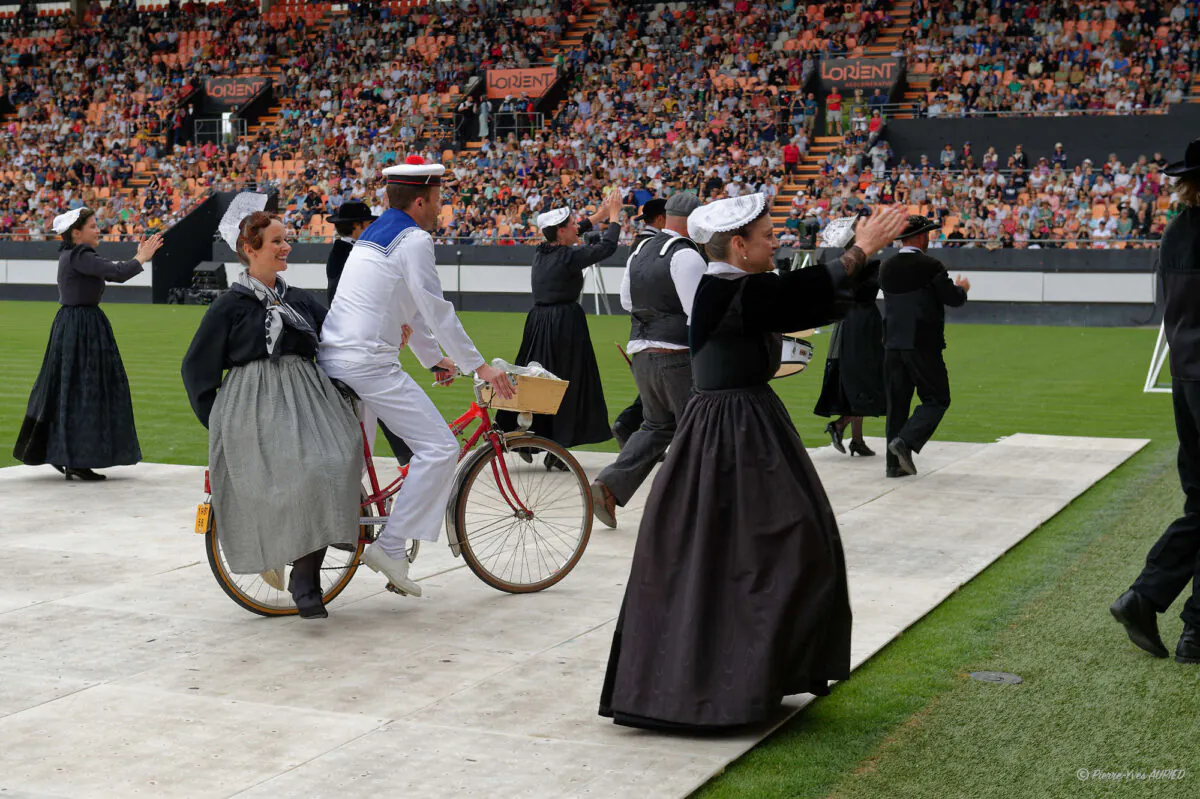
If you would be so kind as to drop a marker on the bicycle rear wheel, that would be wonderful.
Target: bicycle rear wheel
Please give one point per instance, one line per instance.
(528, 537)
(255, 594)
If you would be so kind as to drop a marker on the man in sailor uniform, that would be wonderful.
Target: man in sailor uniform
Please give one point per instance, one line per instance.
(390, 281)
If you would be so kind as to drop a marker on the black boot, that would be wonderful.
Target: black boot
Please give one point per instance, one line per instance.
(305, 585)
(1140, 620)
(552, 462)
(1188, 648)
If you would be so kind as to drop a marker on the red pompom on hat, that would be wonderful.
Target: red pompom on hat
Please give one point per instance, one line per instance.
(415, 171)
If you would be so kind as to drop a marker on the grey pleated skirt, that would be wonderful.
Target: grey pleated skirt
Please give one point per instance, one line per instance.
(285, 460)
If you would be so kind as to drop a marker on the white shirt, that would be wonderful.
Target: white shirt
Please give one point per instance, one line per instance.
(687, 267)
(389, 281)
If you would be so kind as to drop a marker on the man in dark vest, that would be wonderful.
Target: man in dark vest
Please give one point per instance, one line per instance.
(659, 285)
(1174, 560)
(916, 289)
(351, 220)
(653, 215)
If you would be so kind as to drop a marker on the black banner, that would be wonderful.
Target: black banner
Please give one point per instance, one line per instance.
(861, 73)
(227, 93)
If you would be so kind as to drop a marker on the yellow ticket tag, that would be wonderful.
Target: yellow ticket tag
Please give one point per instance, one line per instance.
(204, 517)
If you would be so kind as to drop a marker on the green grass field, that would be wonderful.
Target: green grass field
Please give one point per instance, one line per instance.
(909, 723)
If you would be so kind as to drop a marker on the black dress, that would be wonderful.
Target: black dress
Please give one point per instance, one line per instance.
(853, 384)
(80, 413)
(556, 336)
(737, 595)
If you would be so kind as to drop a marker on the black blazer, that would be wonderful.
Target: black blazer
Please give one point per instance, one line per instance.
(1179, 270)
(916, 289)
(334, 266)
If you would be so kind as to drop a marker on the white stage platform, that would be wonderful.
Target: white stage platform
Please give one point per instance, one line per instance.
(125, 670)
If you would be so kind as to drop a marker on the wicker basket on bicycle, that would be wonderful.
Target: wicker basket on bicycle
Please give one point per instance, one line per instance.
(530, 395)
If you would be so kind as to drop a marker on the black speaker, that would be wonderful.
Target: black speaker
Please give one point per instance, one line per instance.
(209, 275)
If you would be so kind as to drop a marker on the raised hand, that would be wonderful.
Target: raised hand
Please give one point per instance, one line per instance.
(147, 248)
(880, 229)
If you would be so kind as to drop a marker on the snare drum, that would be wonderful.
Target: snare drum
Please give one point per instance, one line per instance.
(795, 357)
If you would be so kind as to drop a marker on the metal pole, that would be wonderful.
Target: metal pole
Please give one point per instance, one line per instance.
(458, 279)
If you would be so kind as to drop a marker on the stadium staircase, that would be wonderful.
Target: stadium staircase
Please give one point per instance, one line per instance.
(586, 22)
(821, 146)
(571, 39)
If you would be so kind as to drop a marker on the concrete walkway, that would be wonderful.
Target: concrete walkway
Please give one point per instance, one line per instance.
(125, 670)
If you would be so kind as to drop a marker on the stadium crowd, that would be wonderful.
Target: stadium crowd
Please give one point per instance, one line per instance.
(1052, 57)
(984, 201)
(658, 98)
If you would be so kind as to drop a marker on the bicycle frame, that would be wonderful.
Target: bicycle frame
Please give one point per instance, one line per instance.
(475, 413)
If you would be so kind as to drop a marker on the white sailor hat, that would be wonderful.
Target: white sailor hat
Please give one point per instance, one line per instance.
(553, 217)
(415, 172)
(63, 222)
(723, 216)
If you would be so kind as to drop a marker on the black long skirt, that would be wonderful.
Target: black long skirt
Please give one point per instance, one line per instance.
(557, 337)
(853, 384)
(80, 414)
(737, 596)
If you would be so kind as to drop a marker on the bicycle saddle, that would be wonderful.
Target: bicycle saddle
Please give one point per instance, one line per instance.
(344, 389)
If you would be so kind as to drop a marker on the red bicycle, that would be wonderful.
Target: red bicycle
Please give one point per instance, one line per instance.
(519, 524)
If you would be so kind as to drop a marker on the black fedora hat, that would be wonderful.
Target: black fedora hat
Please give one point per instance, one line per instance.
(352, 211)
(1189, 166)
(917, 225)
(651, 209)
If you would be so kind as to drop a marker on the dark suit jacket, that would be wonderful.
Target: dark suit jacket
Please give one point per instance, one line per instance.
(1179, 270)
(916, 289)
(335, 265)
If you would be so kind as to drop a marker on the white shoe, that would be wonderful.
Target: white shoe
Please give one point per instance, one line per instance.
(395, 570)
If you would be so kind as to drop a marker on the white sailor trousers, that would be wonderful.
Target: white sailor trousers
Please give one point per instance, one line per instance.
(391, 395)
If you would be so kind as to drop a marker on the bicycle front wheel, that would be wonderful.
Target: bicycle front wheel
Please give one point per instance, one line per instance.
(521, 523)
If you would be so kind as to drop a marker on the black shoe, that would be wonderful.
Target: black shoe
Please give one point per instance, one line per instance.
(861, 448)
(310, 605)
(904, 454)
(1140, 619)
(552, 462)
(896, 471)
(835, 435)
(58, 469)
(308, 600)
(1188, 648)
(87, 475)
(525, 454)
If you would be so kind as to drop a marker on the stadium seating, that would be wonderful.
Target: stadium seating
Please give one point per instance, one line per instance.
(657, 97)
